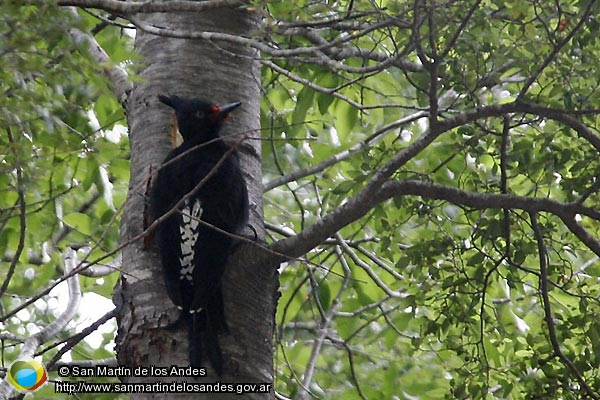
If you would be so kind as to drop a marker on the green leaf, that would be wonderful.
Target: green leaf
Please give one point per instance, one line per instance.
(346, 117)
(324, 100)
(324, 295)
(476, 259)
(80, 222)
(344, 187)
(303, 102)
(92, 174)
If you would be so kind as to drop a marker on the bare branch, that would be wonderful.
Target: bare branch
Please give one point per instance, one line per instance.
(380, 283)
(74, 300)
(96, 270)
(378, 261)
(586, 238)
(331, 50)
(565, 211)
(322, 332)
(73, 340)
(519, 107)
(275, 52)
(121, 86)
(343, 155)
(310, 84)
(483, 200)
(359, 205)
(138, 7)
(378, 189)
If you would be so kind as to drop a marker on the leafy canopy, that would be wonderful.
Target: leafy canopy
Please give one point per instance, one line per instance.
(478, 279)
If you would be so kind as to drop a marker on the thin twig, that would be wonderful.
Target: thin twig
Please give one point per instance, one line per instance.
(323, 329)
(22, 214)
(343, 155)
(543, 258)
(34, 341)
(556, 49)
(73, 340)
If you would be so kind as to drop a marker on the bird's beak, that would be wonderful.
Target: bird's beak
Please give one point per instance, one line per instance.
(227, 108)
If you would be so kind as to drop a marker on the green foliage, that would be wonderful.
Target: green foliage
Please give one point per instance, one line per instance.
(72, 173)
(443, 300)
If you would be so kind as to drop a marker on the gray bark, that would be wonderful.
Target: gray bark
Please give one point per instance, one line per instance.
(222, 72)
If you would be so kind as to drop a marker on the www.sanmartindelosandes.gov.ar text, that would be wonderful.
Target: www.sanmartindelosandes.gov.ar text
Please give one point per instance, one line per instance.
(160, 387)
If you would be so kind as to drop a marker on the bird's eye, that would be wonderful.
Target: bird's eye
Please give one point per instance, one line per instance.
(199, 114)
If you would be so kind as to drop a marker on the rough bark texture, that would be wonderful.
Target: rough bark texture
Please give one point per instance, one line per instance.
(221, 72)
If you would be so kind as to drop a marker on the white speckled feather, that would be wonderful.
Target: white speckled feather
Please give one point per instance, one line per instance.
(189, 235)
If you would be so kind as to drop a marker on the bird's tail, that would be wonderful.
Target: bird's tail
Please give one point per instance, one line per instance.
(204, 329)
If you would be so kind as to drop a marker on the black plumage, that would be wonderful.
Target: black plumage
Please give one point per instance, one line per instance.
(192, 254)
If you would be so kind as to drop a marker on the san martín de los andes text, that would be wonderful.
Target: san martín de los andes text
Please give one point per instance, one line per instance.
(137, 371)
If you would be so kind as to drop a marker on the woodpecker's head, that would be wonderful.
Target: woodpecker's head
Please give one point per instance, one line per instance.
(197, 117)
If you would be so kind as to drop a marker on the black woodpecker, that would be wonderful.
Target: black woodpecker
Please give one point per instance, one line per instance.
(193, 254)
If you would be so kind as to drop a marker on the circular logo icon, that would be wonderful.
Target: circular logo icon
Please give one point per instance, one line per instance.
(26, 374)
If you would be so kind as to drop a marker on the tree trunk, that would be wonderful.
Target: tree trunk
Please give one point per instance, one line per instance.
(222, 72)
